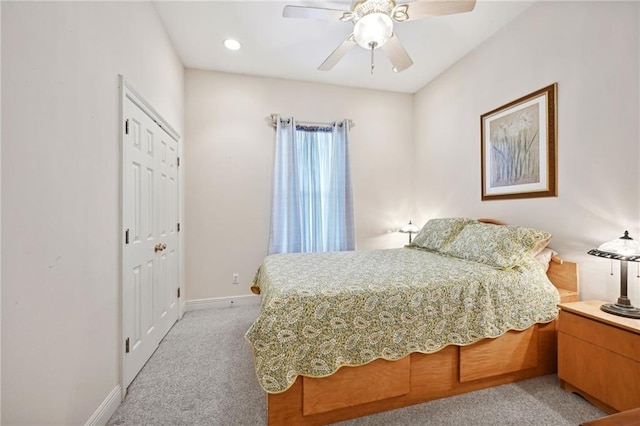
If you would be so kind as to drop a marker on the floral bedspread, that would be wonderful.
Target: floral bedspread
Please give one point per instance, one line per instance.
(322, 311)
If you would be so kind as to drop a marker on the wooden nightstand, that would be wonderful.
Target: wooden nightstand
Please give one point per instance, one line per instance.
(599, 355)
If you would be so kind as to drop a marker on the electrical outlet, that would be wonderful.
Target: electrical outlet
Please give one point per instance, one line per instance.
(235, 279)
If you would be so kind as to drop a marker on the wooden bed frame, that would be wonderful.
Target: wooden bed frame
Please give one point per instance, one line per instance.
(385, 385)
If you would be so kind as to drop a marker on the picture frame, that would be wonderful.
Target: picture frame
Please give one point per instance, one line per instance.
(518, 147)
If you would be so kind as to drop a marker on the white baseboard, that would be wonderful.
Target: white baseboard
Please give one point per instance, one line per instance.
(221, 302)
(109, 406)
(182, 309)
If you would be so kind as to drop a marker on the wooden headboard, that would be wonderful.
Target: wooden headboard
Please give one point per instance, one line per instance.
(564, 275)
(491, 221)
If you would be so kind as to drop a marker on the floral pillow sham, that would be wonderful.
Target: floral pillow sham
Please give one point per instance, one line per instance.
(499, 246)
(438, 234)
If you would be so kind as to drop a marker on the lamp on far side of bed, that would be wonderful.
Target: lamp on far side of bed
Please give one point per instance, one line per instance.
(410, 229)
(625, 249)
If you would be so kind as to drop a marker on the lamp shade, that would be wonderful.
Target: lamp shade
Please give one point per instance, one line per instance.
(623, 246)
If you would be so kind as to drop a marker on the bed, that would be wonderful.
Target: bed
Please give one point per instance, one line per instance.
(466, 306)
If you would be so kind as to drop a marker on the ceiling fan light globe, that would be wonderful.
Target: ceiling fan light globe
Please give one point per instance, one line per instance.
(374, 29)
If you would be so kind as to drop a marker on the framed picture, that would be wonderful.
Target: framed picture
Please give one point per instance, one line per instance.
(518, 148)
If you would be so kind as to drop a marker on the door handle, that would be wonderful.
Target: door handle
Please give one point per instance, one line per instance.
(159, 247)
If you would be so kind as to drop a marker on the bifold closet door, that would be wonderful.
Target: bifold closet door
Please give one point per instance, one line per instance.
(150, 247)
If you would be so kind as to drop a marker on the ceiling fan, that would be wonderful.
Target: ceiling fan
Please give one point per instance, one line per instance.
(373, 25)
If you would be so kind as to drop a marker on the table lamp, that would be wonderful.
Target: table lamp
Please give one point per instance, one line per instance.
(625, 249)
(410, 229)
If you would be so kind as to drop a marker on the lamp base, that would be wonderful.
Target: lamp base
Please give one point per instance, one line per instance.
(628, 311)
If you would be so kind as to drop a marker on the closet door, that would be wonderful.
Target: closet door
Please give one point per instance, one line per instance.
(150, 249)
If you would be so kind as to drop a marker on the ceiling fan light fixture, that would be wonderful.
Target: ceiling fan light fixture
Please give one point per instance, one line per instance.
(373, 30)
(373, 24)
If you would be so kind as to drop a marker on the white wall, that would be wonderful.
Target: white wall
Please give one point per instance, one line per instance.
(229, 159)
(60, 195)
(591, 49)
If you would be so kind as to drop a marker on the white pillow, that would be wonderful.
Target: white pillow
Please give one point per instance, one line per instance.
(544, 257)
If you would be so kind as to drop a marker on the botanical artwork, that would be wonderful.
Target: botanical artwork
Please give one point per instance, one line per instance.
(515, 151)
(518, 148)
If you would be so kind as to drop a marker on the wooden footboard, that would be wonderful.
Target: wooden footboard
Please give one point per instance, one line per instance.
(384, 385)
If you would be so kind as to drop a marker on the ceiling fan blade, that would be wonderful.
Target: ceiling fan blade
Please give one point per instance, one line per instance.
(338, 54)
(427, 8)
(312, 13)
(397, 54)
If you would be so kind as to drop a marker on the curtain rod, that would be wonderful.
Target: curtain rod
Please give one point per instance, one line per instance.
(273, 117)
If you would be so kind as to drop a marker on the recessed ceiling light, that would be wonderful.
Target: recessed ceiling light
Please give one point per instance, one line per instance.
(232, 44)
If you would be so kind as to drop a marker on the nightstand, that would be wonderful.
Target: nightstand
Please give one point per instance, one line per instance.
(599, 355)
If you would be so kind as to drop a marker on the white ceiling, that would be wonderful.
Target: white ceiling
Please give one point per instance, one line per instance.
(294, 48)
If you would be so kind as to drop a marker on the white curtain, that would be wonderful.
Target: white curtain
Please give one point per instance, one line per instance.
(312, 208)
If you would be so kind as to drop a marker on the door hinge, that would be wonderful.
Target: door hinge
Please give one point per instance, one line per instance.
(126, 127)
(178, 227)
(126, 236)
(178, 161)
(178, 292)
(126, 346)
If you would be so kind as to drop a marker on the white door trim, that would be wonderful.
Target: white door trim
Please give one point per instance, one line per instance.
(127, 92)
